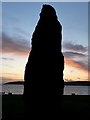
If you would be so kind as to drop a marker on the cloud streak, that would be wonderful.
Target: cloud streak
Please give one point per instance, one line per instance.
(76, 56)
(20, 47)
(5, 58)
(73, 54)
(17, 46)
(74, 47)
(20, 31)
(77, 64)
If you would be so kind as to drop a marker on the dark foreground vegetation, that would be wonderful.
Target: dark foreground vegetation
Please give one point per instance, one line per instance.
(73, 106)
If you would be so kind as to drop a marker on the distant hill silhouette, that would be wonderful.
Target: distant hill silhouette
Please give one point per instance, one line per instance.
(81, 83)
(16, 82)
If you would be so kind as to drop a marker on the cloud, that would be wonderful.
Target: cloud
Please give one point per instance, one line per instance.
(75, 47)
(73, 54)
(11, 74)
(77, 64)
(20, 31)
(83, 65)
(5, 58)
(19, 46)
(15, 45)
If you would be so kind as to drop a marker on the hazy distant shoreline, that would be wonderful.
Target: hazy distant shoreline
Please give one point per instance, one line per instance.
(77, 87)
(81, 83)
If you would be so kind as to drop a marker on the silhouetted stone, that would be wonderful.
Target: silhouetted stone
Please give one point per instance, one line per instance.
(44, 82)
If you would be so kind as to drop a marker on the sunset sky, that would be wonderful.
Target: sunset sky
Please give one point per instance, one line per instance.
(18, 23)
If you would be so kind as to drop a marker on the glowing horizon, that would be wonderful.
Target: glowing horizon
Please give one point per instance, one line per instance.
(18, 26)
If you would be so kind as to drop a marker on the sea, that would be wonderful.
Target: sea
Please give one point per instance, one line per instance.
(68, 89)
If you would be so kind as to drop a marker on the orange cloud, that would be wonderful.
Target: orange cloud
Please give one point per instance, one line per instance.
(16, 46)
(76, 64)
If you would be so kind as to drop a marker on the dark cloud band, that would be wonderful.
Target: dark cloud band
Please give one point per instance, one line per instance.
(14, 45)
(75, 47)
(74, 54)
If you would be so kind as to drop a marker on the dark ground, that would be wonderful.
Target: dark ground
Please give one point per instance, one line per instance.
(73, 106)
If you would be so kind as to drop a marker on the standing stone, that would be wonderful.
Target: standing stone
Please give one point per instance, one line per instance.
(44, 82)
